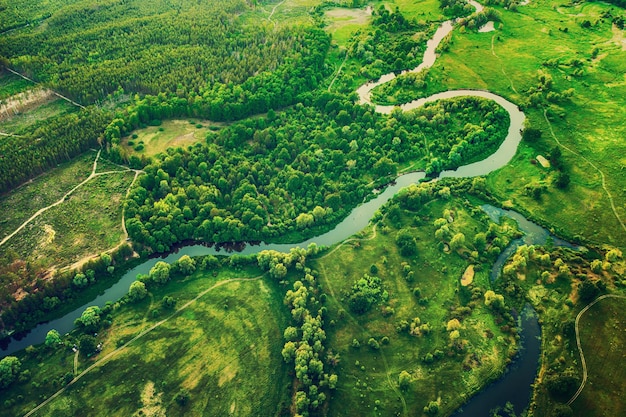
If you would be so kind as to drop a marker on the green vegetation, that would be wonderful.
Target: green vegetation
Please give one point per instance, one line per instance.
(216, 356)
(22, 122)
(424, 339)
(170, 133)
(238, 122)
(11, 84)
(294, 173)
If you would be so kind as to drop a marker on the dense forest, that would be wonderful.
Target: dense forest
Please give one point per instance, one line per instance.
(307, 166)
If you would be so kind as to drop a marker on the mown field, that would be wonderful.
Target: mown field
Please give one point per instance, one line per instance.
(439, 370)
(220, 351)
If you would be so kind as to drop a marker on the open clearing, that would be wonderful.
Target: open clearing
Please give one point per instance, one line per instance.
(171, 133)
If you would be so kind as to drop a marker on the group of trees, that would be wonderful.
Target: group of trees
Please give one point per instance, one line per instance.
(305, 338)
(391, 44)
(297, 170)
(48, 144)
(178, 47)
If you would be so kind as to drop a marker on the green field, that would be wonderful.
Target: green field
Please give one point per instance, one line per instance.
(603, 342)
(11, 84)
(23, 202)
(171, 133)
(370, 378)
(221, 349)
(86, 223)
(519, 50)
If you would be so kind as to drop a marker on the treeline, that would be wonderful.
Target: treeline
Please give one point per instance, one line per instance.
(151, 47)
(68, 135)
(305, 338)
(58, 140)
(298, 171)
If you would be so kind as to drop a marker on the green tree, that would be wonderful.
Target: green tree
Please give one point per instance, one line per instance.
(53, 338)
(404, 380)
(160, 272)
(137, 291)
(9, 370)
(90, 319)
(406, 243)
(87, 345)
(457, 241)
(186, 265)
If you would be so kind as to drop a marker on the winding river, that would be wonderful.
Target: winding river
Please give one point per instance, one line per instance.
(515, 386)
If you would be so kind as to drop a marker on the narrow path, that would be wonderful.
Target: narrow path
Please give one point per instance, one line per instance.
(604, 187)
(356, 323)
(580, 349)
(55, 93)
(66, 195)
(269, 18)
(76, 362)
(493, 52)
(110, 355)
(338, 70)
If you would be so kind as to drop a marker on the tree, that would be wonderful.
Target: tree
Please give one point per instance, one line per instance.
(9, 370)
(90, 319)
(53, 338)
(406, 243)
(562, 180)
(186, 265)
(160, 272)
(182, 398)
(87, 345)
(457, 241)
(404, 380)
(493, 300)
(137, 291)
(480, 242)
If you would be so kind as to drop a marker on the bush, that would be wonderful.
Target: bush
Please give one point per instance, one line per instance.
(373, 343)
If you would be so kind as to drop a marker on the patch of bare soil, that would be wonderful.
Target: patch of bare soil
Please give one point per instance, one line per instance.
(23, 102)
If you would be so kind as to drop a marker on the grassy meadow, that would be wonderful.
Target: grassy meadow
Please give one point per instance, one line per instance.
(86, 223)
(171, 133)
(221, 349)
(604, 343)
(369, 378)
(587, 127)
(24, 201)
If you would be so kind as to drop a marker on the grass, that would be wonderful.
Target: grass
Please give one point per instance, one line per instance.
(591, 125)
(369, 378)
(603, 342)
(88, 222)
(171, 133)
(21, 122)
(21, 203)
(222, 349)
(11, 84)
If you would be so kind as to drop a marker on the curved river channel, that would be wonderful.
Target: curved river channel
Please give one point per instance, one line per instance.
(515, 385)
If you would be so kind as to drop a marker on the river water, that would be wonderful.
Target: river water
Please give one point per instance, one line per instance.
(515, 385)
